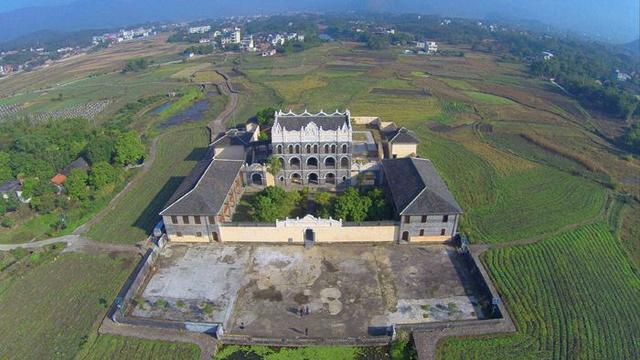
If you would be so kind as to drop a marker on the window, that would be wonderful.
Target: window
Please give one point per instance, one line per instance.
(308, 149)
(197, 220)
(442, 232)
(198, 234)
(344, 148)
(215, 236)
(445, 218)
(315, 149)
(279, 147)
(424, 218)
(185, 219)
(281, 178)
(297, 149)
(407, 219)
(212, 219)
(179, 234)
(333, 148)
(421, 232)
(326, 149)
(395, 156)
(290, 149)
(174, 219)
(405, 236)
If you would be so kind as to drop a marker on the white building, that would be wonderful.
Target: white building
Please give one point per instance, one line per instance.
(200, 29)
(432, 47)
(247, 43)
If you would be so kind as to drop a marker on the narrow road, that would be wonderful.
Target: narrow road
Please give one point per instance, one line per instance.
(217, 125)
(76, 243)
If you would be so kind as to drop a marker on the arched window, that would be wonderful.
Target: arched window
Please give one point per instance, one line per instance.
(333, 148)
(330, 162)
(297, 149)
(308, 149)
(405, 235)
(282, 163)
(326, 149)
(279, 149)
(344, 148)
(290, 149)
(344, 162)
(315, 148)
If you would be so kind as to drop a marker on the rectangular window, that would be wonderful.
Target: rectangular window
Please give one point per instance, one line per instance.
(407, 219)
(442, 232)
(174, 219)
(421, 232)
(198, 234)
(212, 219)
(179, 234)
(445, 218)
(197, 219)
(424, 218)
(185, 219)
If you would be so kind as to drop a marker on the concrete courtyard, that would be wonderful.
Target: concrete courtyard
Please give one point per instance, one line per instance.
(349, 290)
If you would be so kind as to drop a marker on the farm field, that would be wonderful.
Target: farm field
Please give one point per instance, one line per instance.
(49, 308)
(135, 214)
(107, 347)
(559, 292)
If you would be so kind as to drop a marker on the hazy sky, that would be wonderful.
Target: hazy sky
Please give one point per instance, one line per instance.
(618, 20)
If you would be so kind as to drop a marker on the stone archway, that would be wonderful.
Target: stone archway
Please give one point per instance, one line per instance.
(296, 179)
(256, 179)
(330, 178)
(330, 162)
(313, 179)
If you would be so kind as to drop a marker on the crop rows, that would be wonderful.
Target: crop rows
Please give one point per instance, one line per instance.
(576, 295)
(87, 111)
(9, 110)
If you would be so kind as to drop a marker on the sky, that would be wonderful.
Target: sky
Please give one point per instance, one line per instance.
(615, 20)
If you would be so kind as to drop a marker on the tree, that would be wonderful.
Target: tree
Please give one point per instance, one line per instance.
(380, 208)
(273, 165)
(266, 116)
(101, 175)
(5, 170)
(76, 184)
(128, 148)
(135, 65)
(273, 203)
(100, 148)
(323, 203)
(44, 203)
(351, 206)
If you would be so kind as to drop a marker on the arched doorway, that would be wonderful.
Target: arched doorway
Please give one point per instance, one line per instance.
(405, 235)
(296, 179)
(344, 162)
(313, 179)
(330, 179)
(312, 162)
(294, 162)
(256, 179)
(330, 162)
(309, 235)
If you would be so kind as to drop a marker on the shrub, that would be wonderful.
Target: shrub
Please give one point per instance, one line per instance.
(7, 223)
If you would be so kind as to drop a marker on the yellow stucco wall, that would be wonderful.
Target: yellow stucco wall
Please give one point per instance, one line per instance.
(403, 150)
(385, 233)
(189, 239)
(429, 238)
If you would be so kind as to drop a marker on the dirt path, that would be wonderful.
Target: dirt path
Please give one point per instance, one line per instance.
(76, 243)
(217, 126)
(206, 343)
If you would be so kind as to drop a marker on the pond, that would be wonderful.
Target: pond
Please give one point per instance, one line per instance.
(195, 112)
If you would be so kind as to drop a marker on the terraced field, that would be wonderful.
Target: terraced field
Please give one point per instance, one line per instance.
(574, 296)
(107, 347)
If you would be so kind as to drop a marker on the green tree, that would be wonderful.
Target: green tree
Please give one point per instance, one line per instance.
(128, 148)
(266, 116)
(323, 203)
(273, 165)
(44, 203)
(273, 203)
(351, 206)
(99, 148)
(101, 175)
(3, 206)
(76, 184)
(5, 170)
(380, 208)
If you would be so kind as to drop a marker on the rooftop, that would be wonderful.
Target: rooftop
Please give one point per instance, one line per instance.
(293, 121)
(417, 189)
(402, 136)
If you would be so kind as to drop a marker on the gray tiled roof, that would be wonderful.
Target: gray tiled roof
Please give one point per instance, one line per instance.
(204, 190)
(402, 136)
(79, 163)
(9, 185)
(326, 122)
(417, 189)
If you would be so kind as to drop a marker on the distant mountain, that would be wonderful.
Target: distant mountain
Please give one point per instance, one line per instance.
(633, 46)
(613, 21)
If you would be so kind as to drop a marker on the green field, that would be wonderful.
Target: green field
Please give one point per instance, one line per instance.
(266, 353)
(489, 99)
(134, 215)
(108, 347)
(574, 296)
(48, 309)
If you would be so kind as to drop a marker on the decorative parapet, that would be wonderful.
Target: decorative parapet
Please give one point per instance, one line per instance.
(309, 221)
